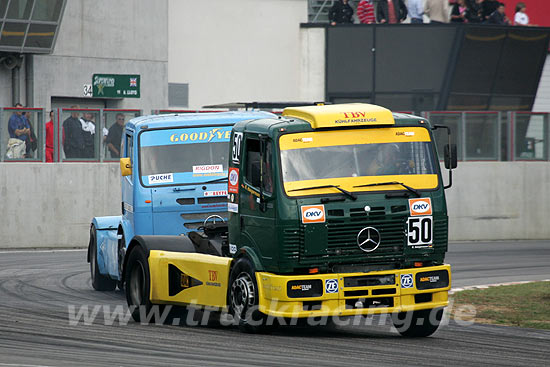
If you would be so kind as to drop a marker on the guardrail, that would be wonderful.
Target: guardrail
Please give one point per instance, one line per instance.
(479, 135)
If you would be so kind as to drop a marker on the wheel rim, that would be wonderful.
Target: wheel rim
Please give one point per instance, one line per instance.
(242, 294)
(136, 284)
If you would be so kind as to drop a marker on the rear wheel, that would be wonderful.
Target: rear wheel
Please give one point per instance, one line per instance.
(100, 282)
(418, 324)
(244, 300)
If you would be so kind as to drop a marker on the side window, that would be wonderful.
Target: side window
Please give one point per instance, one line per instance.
(255, 168)
(129, 147)
(252, 175)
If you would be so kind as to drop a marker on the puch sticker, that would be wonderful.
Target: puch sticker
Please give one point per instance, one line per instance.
(422, 206)
(233, 184)
(313, 214)
(232, 207)
(331, 286)
(161, 178)
(407, 281)
(208, 168)
(215, 193)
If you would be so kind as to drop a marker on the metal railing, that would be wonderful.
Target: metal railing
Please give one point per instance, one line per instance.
(479, 135)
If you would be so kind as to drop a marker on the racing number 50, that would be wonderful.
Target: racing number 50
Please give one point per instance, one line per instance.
(420, 231)
(237, 143)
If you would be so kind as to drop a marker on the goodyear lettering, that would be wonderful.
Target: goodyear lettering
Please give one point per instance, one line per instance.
(202, 136)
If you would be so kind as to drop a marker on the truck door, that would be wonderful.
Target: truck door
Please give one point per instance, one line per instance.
(258, 218)
(128, 181)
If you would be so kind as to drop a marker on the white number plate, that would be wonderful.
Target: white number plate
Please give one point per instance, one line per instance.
(420, 231)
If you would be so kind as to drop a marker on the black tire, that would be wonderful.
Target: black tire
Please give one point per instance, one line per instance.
(417, 324)
(243, 298)
(100, 282)
(121, 255)
(138, 288)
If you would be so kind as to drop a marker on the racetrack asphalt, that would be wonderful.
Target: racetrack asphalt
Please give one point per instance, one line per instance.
(39, 288)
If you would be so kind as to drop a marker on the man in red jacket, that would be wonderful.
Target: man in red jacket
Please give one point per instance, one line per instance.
(365, 12)
(391, 11)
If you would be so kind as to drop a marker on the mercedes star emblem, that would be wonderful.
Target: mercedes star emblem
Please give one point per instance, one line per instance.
(368, 239)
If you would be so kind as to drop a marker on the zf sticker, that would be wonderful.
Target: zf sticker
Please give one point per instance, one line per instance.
(232, 249)
(331, 286)
(233, 185)
(237, 144)
(421, 206)
(420, 231)
(313, 214)
(407, 281)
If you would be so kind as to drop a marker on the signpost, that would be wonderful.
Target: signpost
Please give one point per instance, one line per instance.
(116, 86)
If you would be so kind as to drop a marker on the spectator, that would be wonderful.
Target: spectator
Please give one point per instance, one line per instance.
(73, 140)
(437, 10)
(391, 11)
(475, 14)
(88, 134)
(49, 139)
(365, 12)
(114, 137)
(340, 13)
(460, 12)
(499, 16)
(521, 18)
(488, 7)
(20, 134)
(416, 11)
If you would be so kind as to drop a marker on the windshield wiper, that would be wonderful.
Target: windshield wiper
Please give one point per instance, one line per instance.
(350, 195)
(221, 179)
(414, 191)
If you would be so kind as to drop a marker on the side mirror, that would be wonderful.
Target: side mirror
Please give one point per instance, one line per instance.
(125, 166)
(451, 161)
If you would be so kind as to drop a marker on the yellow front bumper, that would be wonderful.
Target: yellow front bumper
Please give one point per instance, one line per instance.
(350, 299)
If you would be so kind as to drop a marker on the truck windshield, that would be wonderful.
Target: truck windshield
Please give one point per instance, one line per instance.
(184, 156)
(353, 159)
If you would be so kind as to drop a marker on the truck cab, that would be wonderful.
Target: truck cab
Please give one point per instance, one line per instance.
(334, 210)
(174, 176)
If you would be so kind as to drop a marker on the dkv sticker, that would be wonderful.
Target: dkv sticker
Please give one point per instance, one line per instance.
(422, 206)
(233, 184)
(313, 214)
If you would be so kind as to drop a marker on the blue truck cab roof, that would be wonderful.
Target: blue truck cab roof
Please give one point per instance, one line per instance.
(193, 119)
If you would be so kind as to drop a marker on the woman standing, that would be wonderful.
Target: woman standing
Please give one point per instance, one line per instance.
(459, 14)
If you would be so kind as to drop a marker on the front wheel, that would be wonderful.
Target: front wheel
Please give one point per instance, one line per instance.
(418, 324)
(100, 282)
(138, 289)
(244, 298)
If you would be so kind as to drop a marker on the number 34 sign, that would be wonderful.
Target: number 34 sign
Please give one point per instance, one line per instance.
(87, 90)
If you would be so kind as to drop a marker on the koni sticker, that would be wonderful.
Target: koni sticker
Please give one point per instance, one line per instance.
(422, 206)
(233, 184)
(215, 193)
(208, 168)
(161, 178)
(313, 214)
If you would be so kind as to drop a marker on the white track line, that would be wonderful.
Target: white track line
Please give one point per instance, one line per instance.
(40, 251)
(485, 286)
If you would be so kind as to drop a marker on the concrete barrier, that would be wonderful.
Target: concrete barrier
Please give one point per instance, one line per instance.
(51, 205)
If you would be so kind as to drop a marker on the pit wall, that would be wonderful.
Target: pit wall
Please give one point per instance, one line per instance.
(51, 205)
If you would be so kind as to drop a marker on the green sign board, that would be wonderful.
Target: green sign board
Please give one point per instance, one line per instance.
(115, 86)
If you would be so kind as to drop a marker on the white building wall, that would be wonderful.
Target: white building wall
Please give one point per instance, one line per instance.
(236, 50)
(111, 37)
(312, 81)
(542, 101)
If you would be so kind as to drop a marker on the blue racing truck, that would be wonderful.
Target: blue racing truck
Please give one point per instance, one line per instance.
(174, 177)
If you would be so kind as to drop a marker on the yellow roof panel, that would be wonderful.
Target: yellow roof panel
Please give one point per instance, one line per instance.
(341, 115)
